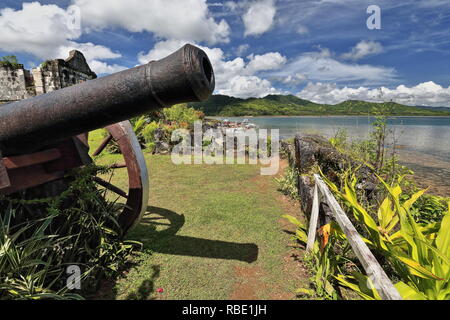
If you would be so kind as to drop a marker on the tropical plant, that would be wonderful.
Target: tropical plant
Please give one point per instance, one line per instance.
(39, 238)
(340, 139)
(418, 253)
(429, 208)
(149, 135)
(322, 261)
(26, 271)
(287, 184)
(182, 115)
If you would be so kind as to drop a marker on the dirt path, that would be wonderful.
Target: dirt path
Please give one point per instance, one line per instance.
(248, 279)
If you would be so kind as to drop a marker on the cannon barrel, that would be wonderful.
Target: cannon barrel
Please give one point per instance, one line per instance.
(27, 125)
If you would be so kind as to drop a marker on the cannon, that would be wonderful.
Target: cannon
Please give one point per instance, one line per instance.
(44, 137)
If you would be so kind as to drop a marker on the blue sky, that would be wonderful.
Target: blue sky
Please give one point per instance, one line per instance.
(320, 50)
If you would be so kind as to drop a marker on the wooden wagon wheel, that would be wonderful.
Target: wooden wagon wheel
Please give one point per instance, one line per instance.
(137, 194)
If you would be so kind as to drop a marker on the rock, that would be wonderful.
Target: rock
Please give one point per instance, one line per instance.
(305, 192)
(161, 147)
(289, 150)
(312, 151)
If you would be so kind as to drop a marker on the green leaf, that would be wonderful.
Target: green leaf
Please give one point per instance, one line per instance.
(385, 213)
(302, 236)
(308, 292)
(362, 215)
(343, 281)
(408, 204)
(294, 221)
(443, 237)
(409, 293)
(417, 269)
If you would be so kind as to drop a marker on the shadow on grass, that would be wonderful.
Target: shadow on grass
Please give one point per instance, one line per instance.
(168, 242)
(107, 288)
(147, 287)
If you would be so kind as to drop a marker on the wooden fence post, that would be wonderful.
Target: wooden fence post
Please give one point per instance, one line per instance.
(314, 218)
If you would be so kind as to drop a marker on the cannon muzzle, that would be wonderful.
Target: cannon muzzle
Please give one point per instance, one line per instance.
(27, 125)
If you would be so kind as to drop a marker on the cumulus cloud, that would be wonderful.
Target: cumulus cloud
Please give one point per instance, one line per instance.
(103, 68)
(236, 77)
(175, 19)
(323, 67)
(48, 32)
(268, 61)
(91, 51)
(249, 86)
(259, 17)
(32, 29)
(363, 49)
(423, 94)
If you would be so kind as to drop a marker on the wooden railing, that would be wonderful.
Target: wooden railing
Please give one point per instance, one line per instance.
(374, 271)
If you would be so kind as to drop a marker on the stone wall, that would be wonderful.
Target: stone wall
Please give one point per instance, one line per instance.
(57, 74)
(312, 152)
(17, 84)
(14, 82)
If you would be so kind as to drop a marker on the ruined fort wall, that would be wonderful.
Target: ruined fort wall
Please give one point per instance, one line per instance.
(16, 83)
(13, 84)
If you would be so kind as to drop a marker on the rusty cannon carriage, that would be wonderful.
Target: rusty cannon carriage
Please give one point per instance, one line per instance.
(44, 137)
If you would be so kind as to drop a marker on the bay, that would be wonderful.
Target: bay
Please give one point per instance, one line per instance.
(423, 142)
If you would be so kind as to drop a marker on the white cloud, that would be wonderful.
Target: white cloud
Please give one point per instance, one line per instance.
(249, 86)
(161, 50)
(424, 94)
(175, 19)
(268, 61)
(363, 49)
(301, 29)
(104, 68)
(242, 49)
(47, 32)
(295, 79)
(231, 5)
(37, 29)
(322, 66)
(259, 17)
(91, 51)
(234, 77)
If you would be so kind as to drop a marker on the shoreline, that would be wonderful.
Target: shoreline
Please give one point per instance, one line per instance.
(323, 116)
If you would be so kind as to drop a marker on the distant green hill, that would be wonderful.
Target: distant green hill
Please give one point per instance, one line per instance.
(289, 105)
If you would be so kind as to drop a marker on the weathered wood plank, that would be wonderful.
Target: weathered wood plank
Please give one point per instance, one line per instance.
(29, 160)
(313, 220)
(373, 269)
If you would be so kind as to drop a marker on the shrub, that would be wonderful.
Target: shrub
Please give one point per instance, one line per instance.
(180, 113)
(39, 238)
(10, 61)
(288, 183)
(149, 135)
(340, 139)
(429, 208)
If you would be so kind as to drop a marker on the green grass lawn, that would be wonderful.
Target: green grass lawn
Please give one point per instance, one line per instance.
(211, 232)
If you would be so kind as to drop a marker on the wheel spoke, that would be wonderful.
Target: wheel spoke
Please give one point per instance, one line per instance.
(111, 187)
(103, 145)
